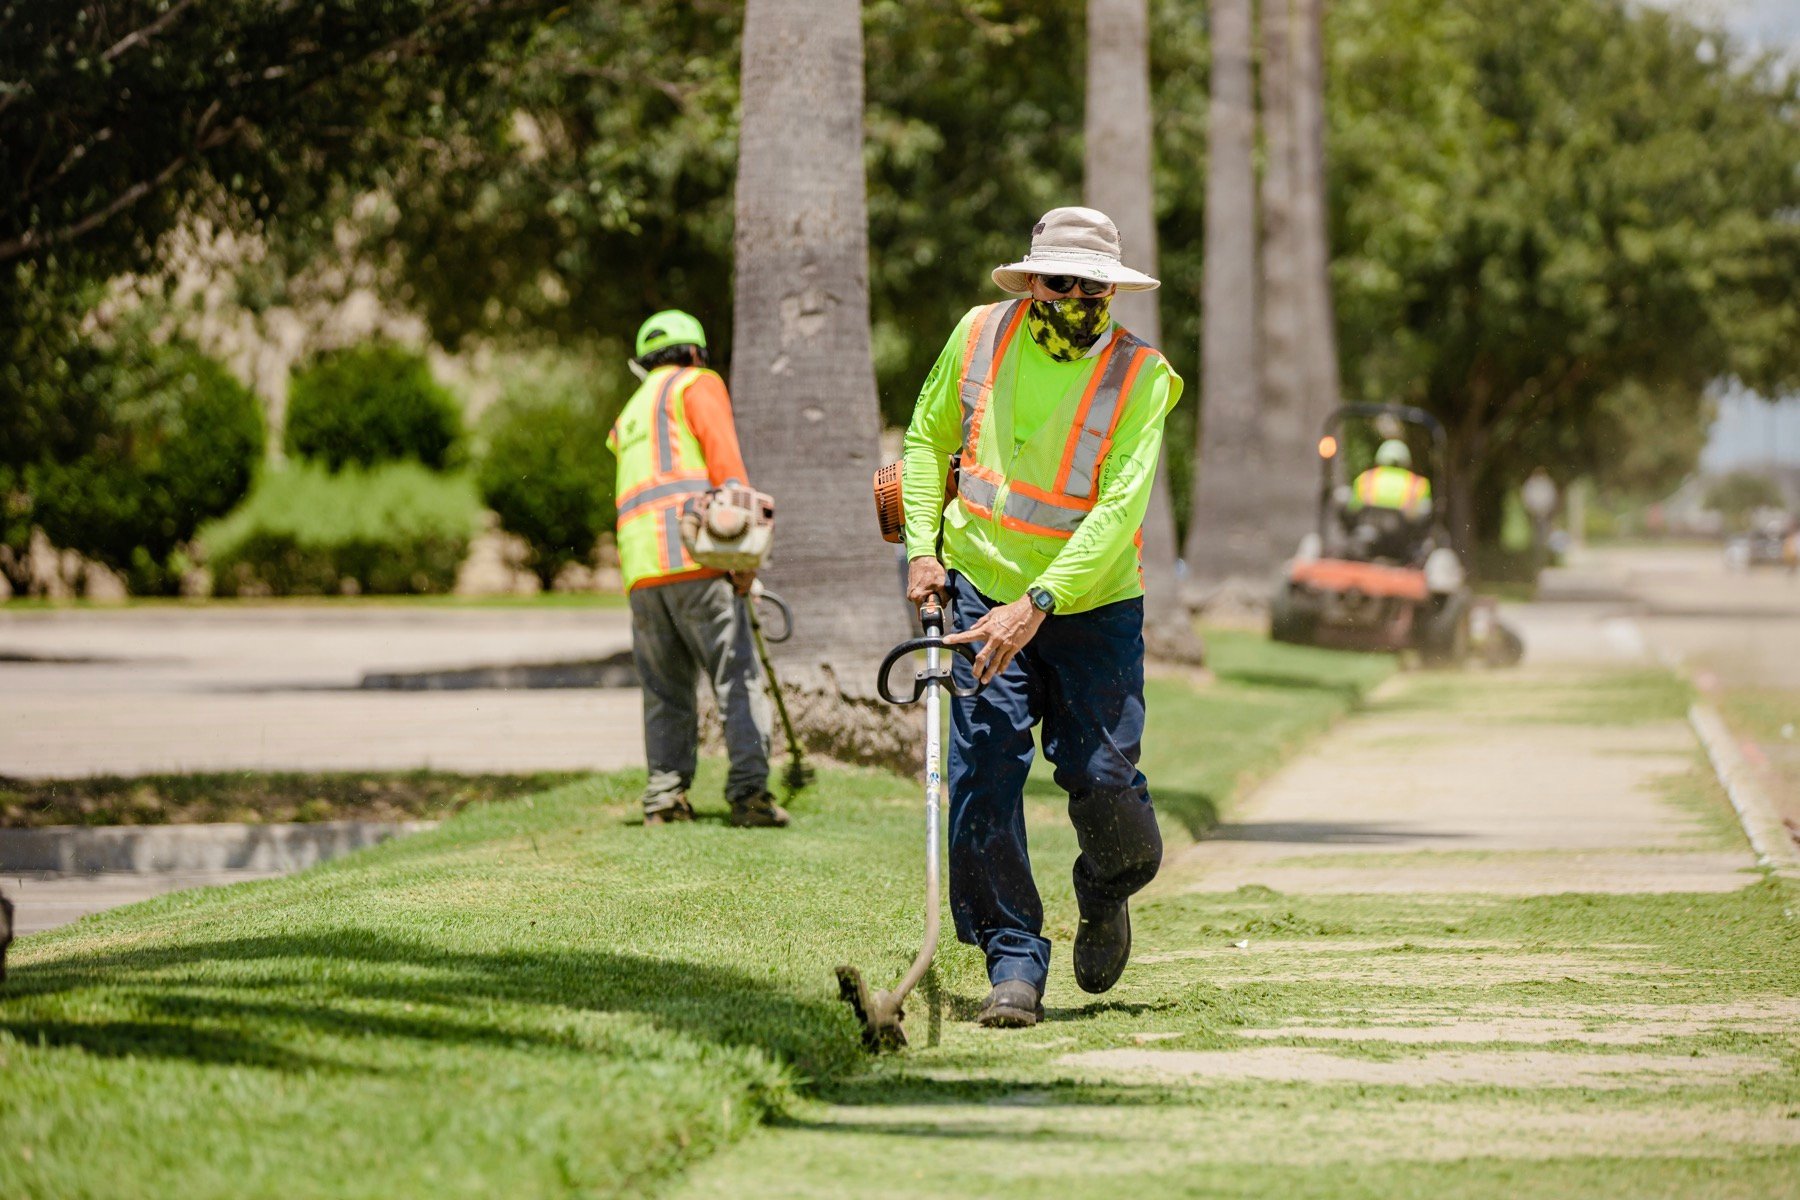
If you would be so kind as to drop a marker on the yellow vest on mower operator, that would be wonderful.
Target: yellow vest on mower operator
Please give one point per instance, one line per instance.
(1014, 510)
(1391, 487)
(661, 467)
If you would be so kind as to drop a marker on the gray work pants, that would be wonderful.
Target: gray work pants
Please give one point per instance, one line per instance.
(678, 632)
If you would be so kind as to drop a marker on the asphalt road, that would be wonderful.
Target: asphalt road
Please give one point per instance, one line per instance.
(139, 690)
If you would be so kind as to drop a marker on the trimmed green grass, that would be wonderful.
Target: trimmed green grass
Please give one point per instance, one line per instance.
(540, 998)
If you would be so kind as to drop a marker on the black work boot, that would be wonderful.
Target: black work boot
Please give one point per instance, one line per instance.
(1102, 945)
(1013, 1004)
(758, 812)
(680, 810)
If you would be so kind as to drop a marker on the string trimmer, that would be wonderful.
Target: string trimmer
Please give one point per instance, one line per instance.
(799, 773)
(880, 1012)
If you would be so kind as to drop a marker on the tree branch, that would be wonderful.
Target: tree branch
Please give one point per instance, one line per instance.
(33, 239)
(139, 36)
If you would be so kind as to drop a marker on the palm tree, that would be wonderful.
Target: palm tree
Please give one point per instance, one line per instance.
(1119, 183)
(1318, 315)
(1225, 541)
(1287, 413)
(801, 372)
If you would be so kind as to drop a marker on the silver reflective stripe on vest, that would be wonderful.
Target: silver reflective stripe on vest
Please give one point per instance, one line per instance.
(671, 537)
(976, 491)
(665, 436)
(662, 491)
(1044, 516)
(981, 364)
(1091, 440)
(982, 494)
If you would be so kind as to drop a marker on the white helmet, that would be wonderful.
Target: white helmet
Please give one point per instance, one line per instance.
(1393, 453)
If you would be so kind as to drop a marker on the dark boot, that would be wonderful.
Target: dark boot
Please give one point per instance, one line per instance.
(1013, 1004)
(680, 810)
(6, 915)
(1102, 946)
(758, 812)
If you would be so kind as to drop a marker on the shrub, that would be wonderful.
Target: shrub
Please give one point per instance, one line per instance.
(177, 442)
(372, 404)
(304, 531)
(546, 470)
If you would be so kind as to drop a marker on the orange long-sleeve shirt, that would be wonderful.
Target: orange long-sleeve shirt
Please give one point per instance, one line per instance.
(708, 408)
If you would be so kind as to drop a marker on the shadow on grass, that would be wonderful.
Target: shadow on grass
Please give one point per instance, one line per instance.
(1328, 833)
(1197, 811)
(218, 1015)
(1351, 691)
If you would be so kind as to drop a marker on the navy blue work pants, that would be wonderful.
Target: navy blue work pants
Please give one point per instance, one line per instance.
(1082, 677)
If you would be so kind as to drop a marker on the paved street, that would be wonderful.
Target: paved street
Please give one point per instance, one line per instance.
(1735, 633)
(262, 688)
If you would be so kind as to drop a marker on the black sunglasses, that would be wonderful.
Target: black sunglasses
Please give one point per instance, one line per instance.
(1067, 283)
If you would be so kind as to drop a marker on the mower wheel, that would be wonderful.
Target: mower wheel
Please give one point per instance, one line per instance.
(1292, 616)
(1444, 632)
(1504, 647)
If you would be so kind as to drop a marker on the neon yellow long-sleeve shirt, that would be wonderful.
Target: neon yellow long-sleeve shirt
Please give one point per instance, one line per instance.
(1085, 572)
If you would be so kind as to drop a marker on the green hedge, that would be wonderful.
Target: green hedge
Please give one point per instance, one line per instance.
(176, 442)
(304, 531)
(372, 404)
(546, 470)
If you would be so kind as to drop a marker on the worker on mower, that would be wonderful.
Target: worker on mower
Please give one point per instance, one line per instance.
(1057, 415)
(1390, 483)
(674, 441)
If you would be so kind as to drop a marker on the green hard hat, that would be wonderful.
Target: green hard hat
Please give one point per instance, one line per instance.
(1393, 453)
(670, 327)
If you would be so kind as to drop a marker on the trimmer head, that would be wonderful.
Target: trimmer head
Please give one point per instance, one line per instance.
(879, 1016)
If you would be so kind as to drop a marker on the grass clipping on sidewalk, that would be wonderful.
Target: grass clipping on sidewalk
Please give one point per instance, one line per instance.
(542, 997)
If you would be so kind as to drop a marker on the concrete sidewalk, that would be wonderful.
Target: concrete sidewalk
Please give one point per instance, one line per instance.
(1496, 934)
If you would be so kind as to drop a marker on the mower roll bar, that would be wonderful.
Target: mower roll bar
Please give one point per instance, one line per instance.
(1440, 448)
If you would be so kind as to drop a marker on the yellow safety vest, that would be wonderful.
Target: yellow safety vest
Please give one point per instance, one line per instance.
(661, 466)
(1391, 487)
(1015, 510)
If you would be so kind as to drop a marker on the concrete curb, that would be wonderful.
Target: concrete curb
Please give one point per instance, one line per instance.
(1768, 836)
(157, 849)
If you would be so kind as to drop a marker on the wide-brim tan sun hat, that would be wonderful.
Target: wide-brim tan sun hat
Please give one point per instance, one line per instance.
(1082, 242)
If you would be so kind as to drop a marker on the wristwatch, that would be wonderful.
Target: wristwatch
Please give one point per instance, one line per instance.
(1043, 601)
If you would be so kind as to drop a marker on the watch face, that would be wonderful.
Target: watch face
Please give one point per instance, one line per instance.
(1044, 601)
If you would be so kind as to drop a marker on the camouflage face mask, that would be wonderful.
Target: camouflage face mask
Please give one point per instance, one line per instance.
(1068, 328)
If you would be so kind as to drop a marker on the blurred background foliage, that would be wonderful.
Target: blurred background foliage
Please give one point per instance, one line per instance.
(546, 471)
(1556, 223)
(370, 404)
(398, 528)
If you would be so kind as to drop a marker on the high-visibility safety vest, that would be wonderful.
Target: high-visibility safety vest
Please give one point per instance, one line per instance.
(1019, 506)
(661, 467)
(1391, 487)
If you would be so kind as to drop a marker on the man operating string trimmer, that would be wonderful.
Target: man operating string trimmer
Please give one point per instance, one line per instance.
(676, 445)
(1057, 414)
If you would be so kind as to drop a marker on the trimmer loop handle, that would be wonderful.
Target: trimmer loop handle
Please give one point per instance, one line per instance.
(931, 615)
(759, 594)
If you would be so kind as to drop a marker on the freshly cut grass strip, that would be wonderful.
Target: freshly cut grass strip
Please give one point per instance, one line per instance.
(541, 997)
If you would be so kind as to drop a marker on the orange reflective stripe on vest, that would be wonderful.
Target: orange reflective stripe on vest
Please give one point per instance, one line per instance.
(660, 468)
(1052, 507)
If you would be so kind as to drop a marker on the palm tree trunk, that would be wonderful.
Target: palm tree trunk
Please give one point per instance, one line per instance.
(1226, 544)
(1287, 412)
(1120, 184)
(801, 372)
(1318, 314)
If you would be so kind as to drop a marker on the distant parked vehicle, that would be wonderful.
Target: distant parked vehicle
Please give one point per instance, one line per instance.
(1773, 541)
